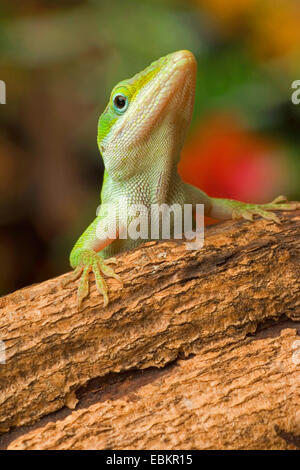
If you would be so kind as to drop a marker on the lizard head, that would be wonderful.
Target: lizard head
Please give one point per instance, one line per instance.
(147, 116)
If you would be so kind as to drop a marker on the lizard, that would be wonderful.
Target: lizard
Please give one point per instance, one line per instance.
(140, 137)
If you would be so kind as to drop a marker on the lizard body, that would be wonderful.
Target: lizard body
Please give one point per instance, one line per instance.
(140, 136)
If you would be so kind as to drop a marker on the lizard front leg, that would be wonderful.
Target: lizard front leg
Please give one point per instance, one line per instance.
(85, 257)
(227, 208)
(224, 209)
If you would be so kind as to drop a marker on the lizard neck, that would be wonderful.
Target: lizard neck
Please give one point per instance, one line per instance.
(154, 185)
(163, 178)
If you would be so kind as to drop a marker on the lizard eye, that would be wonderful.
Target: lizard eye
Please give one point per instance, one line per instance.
(120, 103)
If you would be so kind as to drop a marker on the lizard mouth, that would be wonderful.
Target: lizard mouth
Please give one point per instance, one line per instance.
(170, 95)
(170, 91)
(183, 58)
(176, 78)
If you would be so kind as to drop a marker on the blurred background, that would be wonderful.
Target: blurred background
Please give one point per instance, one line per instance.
(60, 60)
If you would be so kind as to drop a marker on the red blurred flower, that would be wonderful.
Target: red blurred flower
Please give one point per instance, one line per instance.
(225, 160)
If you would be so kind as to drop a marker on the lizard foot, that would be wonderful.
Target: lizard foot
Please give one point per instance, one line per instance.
(89, 261)
(247, 211)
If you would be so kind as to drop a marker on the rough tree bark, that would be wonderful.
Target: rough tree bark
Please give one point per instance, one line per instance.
(200, 349)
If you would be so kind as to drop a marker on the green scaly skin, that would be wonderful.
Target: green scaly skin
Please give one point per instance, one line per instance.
(140, 136)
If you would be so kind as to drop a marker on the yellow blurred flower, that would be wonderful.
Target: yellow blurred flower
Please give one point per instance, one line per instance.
(276, 28)
(228, 12)
(270, 27)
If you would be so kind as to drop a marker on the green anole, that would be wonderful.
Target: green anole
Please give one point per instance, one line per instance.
(140, 136)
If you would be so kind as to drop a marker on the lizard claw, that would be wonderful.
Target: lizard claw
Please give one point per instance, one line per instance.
(247, 211)
(279, 199)
(83, 288)
(90, 261)
(72, 276)
(281, 203)
(100, 282)
(111, 261)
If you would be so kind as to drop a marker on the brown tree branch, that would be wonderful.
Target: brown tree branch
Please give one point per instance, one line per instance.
(240, 390)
